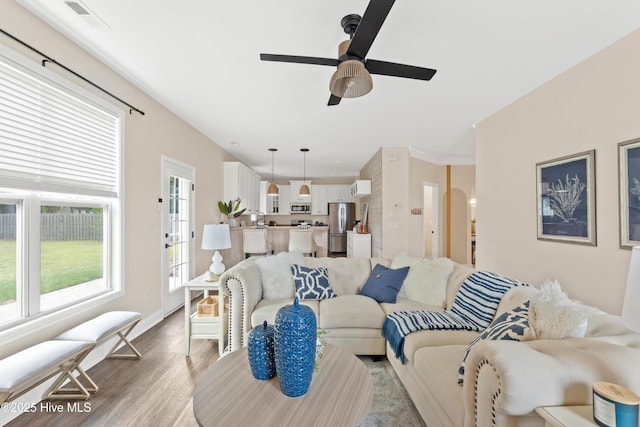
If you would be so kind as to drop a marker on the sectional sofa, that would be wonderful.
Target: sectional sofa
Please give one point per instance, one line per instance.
(504, 378)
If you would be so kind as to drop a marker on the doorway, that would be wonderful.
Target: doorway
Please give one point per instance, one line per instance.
(430, 235)
(178, 261)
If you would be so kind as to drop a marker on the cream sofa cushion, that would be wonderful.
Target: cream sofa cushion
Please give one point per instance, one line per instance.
(406, 304)
(351, 311)
(267, 309)
(456, 278)
(346, 275)
(438, 367)
(427, 278)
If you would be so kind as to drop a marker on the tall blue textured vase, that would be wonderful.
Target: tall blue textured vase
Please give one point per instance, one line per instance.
(261, 352)
(295, 348)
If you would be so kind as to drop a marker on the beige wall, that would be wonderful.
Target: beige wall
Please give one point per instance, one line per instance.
(373, 170)
(397, 181)
(395, 201)
(147, 138)
(592, 106)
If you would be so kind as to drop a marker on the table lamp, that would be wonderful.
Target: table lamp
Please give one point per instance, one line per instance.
(216, 237)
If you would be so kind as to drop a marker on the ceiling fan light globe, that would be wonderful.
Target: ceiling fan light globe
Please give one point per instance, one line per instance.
(351, 80)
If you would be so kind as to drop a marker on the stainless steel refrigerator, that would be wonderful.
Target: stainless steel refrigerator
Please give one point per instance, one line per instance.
(341, 218)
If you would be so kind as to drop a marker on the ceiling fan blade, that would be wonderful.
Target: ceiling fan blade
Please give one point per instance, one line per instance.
(299, 59)
(369, 26)
(334, 100)
(398, 70)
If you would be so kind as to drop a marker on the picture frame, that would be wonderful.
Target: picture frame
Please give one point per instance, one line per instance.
(566, 199)
(629, 192)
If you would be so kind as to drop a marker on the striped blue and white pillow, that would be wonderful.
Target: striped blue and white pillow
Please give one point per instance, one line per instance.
(479, 296)
(311, 283)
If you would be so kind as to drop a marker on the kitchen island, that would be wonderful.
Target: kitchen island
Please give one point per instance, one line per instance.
(279, 238)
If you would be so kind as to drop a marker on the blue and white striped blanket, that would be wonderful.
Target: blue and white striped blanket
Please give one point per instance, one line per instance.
(399, 324)
(473, 309)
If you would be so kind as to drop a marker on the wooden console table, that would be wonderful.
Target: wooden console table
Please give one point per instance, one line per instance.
(228, 395)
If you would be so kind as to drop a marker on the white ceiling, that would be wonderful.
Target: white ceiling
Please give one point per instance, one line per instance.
(200, 58)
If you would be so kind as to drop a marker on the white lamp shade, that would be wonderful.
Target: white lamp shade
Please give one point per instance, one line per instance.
(630, 311)
(216, 236)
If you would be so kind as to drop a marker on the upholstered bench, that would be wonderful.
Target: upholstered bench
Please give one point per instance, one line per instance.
(105, 326)
(30, 367)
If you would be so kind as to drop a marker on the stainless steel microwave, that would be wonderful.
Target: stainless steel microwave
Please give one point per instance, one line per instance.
(300, 208)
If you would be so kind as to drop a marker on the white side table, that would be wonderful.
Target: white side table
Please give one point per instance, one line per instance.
(564, 416)
(196, 327)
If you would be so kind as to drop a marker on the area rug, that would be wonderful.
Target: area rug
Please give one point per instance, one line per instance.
(391, 405)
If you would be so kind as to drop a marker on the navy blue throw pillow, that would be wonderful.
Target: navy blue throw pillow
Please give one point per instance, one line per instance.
(384, 283)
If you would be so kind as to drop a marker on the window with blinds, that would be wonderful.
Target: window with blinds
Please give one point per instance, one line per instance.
(54, 140)
(60, 208)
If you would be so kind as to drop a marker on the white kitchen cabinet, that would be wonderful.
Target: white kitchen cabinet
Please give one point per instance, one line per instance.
(270, 205)
(358, 245)
(320, 200)
(361, 188)
(295, 192)
(339, 193)
(240, 181)
(283, 200)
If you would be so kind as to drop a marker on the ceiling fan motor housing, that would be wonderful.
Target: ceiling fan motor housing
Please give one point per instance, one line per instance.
(350, 24)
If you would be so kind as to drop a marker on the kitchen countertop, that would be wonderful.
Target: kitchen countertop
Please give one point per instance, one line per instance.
(284, 226)
(279, 237)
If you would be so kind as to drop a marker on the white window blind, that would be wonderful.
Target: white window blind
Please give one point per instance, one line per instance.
(53, 139)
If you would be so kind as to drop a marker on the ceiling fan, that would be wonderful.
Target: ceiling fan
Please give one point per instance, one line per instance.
(353, 75)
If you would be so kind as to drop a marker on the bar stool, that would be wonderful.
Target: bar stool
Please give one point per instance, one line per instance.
(302, 240)
(254, 241)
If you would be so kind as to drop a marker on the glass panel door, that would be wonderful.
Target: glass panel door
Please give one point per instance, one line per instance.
(178, 260)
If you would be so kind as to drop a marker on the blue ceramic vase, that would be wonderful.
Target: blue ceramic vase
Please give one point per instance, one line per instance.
(261, 352)
(295, 348)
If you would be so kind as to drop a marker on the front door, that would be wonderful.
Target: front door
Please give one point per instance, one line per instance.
(178, 259)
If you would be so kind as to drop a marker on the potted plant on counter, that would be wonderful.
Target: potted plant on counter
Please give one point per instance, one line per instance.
(230, 210)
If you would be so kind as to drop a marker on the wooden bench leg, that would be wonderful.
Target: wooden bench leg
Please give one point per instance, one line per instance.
(123, 339)
(93, 387)
(56, 391)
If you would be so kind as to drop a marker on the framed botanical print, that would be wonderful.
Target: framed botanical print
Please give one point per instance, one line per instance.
(629, 199)
(566, 199)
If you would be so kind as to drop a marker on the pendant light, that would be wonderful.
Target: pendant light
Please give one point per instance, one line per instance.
(304, 188)
(273, 188)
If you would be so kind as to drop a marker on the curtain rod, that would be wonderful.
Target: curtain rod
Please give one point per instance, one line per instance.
(53, 61)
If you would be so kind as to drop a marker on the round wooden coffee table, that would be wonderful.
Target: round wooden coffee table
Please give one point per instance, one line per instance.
(228, 395)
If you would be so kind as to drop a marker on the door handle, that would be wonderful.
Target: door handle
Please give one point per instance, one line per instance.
(167, 246)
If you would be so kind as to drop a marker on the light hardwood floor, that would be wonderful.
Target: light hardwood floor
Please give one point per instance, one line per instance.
(153, 391)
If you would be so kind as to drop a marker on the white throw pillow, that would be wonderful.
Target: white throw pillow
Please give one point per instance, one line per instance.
(554, 316)
(275, 273)
(427, 278)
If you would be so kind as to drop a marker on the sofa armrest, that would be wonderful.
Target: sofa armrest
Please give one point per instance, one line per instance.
(508, 378)
(242, 285)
